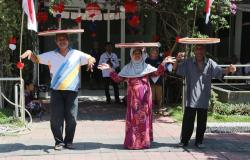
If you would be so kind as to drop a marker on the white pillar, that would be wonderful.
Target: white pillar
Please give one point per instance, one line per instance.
(123, 38)
(16, 100)
(1, 99)
(108, 28)
(238, 32)
(79, 34)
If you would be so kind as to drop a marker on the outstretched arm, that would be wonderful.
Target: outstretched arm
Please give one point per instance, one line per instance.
(179, 57)
(112, 73)
(30, 56)
(230, 69)
(161, 67)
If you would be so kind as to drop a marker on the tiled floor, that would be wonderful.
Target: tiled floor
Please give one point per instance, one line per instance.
(100, 133)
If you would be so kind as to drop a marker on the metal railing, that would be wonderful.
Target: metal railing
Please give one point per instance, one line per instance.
(227, 77)
(18, 105)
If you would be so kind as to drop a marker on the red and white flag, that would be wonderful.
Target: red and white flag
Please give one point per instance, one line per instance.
(208, 9)
(28, 7)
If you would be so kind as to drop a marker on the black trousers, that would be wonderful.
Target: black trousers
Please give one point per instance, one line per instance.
(188, 124)
(64, 106)
(107, 82)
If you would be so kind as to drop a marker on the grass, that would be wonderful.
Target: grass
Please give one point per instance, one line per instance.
(6, 117)
(176, 113)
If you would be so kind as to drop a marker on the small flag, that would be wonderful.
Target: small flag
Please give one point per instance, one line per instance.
(208, 9)
(28, 7)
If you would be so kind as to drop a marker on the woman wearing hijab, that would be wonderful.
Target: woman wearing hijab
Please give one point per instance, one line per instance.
(139, 130)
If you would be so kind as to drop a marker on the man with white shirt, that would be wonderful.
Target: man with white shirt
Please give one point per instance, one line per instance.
(64, 64)
(110, 58)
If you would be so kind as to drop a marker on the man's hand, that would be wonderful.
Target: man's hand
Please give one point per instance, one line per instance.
(232, 68)
(30, 56)
(91, 63)
(180, 56)
(26, 54)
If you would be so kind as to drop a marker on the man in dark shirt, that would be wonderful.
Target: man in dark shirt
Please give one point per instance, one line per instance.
(199, 72)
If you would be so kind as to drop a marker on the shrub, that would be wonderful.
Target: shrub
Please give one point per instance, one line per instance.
(228, 109)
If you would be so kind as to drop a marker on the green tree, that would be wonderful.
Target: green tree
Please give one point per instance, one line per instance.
(10, 16)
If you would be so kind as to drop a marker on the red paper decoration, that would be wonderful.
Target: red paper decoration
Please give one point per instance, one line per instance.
(134, 21)
(58, 7)
(42, 17)
(12, 40)
(12, 43)
(130, 6)
(92, 10)
(78, 19)
(20, 65)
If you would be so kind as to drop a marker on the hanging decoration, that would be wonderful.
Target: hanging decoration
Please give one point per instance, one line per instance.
(78, 19)
(58, 9)
(92, 10)
(134, 21)
(130, 6)
(12, 43)
(20, 65)
(42, 16)
(233, 7)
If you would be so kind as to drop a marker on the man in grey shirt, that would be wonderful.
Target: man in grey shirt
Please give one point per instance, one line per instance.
(199, 72)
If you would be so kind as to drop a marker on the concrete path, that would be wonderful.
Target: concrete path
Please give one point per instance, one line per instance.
(100, 134)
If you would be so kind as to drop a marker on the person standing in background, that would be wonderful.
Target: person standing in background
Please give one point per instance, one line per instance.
(155, 82)
(110, 58)
(96, 75)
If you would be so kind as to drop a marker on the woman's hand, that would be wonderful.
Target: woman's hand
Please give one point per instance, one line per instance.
(104, 66)
(168, 59)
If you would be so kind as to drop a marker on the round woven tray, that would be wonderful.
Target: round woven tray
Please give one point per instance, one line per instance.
(199, 40)
(134, 45)
(54, 32)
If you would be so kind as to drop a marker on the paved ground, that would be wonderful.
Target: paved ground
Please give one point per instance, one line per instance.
(100, 134)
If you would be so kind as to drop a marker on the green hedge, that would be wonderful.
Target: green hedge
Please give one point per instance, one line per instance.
(228, 109)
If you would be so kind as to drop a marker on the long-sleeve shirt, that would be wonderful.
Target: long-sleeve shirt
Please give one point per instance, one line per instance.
(199, 81)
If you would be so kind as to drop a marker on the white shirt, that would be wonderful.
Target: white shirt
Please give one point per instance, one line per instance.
(104, 59)
(65, 71)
